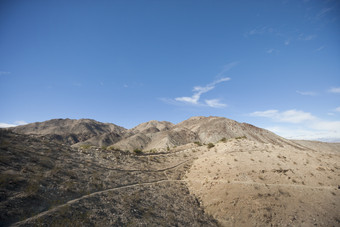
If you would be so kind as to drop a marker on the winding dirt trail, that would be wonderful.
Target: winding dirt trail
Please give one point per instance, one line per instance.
(105, 191)
(262, 184)
(159, 182)
(88, 196)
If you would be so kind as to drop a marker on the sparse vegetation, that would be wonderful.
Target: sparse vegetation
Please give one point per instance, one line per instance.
(320, 168)
(198, 143)
(152, 151)
(104, 148)
(210, 145)
(223, 140)
(113, 148)
(138, 151)
(85, 146)
(241, 137)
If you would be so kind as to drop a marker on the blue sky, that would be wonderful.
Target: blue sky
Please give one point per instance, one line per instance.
(274, 64)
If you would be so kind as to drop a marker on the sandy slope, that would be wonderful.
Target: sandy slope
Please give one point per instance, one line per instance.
(247, 183)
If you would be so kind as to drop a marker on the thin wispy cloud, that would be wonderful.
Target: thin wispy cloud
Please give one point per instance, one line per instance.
(306, 37)
(334, 90)
(320, 48)
(307, 93)
(324, 11)
(259, 31)
(198, 91)
(289, 116)
(301, 125)
(286, 36)
(226, 68)
(4, 73)
(215, 103)
(271, 51)
(337, 109)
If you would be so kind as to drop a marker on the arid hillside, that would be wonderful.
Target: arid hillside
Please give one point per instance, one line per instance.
(72, 131)
(46, 183)
(152, 135)
(205, 171)
(247, 183)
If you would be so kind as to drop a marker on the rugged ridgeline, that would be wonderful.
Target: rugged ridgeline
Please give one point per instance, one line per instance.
(74, 131)
(152, 135)
(66, 172)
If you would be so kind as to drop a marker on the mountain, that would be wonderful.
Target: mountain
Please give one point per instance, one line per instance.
(152, 135)
(196, 129)
(213, 129)
(141, 136)
(204, 171)
(152, 127)
(72, 131)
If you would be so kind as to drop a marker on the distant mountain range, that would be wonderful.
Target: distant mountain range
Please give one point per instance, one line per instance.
(152, 135)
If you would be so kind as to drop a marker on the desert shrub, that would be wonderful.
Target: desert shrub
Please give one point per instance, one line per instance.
(198, 143)
(210, 145)
(223, 140)
(104, 147)
(137, 151)
(32, 187)
(112, 148)
(85, 146)
(241, 137)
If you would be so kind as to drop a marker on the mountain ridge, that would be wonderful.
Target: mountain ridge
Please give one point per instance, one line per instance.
(151, 135)
(70, 131)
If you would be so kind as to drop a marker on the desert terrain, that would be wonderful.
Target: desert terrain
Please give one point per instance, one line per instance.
(205, 171)
(246, 183)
